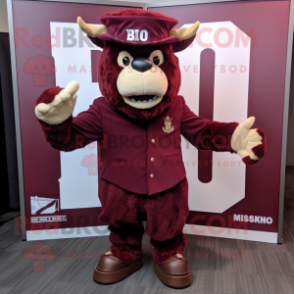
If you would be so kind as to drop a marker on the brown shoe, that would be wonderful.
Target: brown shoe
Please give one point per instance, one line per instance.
(174, 272)
(110, 269)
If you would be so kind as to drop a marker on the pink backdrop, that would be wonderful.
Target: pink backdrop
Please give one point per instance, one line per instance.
(266, 22)
(41, 163)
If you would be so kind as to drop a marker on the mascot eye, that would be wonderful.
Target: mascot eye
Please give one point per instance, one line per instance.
(156, 60)
(126, 61)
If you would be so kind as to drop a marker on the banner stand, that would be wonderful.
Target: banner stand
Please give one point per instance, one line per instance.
(63, 211)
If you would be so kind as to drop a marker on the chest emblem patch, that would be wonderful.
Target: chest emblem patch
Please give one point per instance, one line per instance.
(168, 127)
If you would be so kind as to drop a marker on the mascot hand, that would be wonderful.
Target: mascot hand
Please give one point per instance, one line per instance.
(62, 106)
(250, 144)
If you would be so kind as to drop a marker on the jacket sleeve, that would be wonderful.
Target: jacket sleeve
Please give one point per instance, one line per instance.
(205, 134)
(75, 132)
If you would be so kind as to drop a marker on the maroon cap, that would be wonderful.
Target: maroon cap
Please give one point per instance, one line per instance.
(139, 28)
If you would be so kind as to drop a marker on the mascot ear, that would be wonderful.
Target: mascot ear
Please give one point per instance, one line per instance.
(185, 33)
(93, 31)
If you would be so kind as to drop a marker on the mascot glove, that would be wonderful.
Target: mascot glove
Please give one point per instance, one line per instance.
(250, 144)
(61, 107)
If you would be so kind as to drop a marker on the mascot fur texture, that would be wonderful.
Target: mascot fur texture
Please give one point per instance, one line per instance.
(139, 78)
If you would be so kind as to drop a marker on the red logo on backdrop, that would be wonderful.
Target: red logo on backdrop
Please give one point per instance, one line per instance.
(38, 253)
(39, 67)
(92, 162)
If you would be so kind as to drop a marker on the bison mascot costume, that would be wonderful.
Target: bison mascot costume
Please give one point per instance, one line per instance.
(140, 119)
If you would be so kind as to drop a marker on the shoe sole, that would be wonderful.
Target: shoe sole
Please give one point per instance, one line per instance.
(177, 282)
(103, 277)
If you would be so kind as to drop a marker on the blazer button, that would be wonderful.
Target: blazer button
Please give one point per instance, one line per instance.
(152, 159)
(152, 176)
(153, 140)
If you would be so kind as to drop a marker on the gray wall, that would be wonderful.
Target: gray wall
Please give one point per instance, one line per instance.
(3, 16)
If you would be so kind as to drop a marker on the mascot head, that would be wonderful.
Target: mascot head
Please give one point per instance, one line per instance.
(138, 73)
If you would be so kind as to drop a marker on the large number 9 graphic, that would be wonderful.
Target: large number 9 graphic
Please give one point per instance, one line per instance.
(215, 81)
(225, 99)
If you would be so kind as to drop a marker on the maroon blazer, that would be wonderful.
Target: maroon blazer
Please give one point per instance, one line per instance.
(141, 156)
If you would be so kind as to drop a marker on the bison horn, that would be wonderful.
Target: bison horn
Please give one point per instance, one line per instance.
(93, 31)
(185, 33)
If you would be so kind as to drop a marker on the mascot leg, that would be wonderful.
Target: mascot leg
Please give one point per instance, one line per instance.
(166, 216)
(121, 210)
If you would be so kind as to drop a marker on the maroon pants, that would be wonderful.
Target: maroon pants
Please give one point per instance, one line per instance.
(166, 213)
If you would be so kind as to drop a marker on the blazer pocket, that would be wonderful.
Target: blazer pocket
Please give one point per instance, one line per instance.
(172, 154)
(118, 160)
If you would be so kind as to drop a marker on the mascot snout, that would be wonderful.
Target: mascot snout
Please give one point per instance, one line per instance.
(141, 83)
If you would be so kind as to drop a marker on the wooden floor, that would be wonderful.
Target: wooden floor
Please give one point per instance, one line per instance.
(256, 268)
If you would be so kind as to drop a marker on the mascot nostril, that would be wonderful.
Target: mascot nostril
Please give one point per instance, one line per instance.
(139, 121)
(141, 64)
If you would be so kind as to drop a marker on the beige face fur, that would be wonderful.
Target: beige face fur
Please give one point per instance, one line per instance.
(131, 82)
